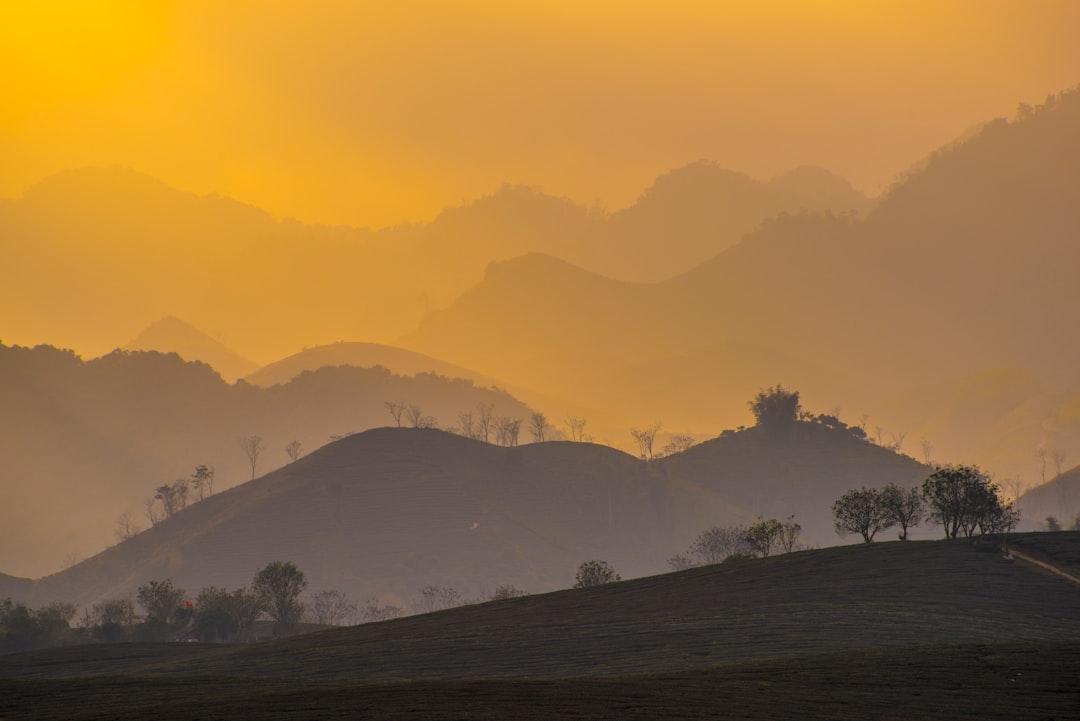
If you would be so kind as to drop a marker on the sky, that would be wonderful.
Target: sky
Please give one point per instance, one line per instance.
(373, 114)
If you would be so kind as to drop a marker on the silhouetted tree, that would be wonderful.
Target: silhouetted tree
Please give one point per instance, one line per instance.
(507, 591)
(538, 426)
(645, 438)
(861, 511)
(396, 408)
(903, 506)
(294, 450)
(252, 446)
(202, 480)
(677, 444)
(278, 587)
(162, 602)
(577, 428)
(714, 545)
(763, 535)
(222, 616)
(484, 421)
(373, 610)
(595, 573)
(962, 499)
(331, 607)
(1052, 524)
(507, 430)
(466, 425)
(788, 537)
(775, 408)
(927, 446)
(126, 527)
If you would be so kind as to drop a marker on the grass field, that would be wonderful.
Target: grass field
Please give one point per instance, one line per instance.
(905, 631)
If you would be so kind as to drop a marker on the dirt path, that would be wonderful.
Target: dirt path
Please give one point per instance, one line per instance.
(1043, 564)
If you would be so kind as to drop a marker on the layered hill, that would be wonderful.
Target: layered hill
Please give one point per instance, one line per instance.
(883, 631)
(96, 254)
(387, 512)
(172, 335)
(88, 440)
(966, 265)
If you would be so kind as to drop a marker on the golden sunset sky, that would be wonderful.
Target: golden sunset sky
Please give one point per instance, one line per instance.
(374, 113)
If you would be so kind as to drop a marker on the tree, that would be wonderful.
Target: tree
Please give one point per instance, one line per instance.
(927, 446)
(1052, 524)
(294, 450)
(507, 430)
(278, 587)
(538, 426)
(252, 446)
(160, 600)
(677, 444)
(789, 534)
(222, 616)
(126, 527)
(202, 480)
(962, 499)
(507, 591)
(645, 438)
(762, 535)
(109, 620)
(466, 424)
(861, 511)
(577, 428)
(484, 421)
(903, 506)
(775, 408)
(374, 611)
(396, 408)
(595, 573)
(331, 607)
(716, 544)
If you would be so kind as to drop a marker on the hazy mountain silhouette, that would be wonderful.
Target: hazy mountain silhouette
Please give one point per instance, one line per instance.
(102, 253)
(87, 440)
(362, 355)
(966, 264)
(388, 511)
(172, 335)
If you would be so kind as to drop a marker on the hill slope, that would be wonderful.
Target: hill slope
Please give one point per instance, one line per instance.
(88, 440)
(896, 627)
(389, 511)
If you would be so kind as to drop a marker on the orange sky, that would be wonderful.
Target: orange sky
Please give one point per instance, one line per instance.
(374, 113)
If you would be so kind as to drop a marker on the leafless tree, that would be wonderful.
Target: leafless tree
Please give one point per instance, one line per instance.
(485, 421)
(577, 428)
(252, 446)
(1040, 453)
(677, 444)
(645, 438)
(126, 527)
(714, 545)
(152, 514)
(294, 449)
(897, 441)
(1058, 458)
(374, 611)
(788, 535)
(466, 425)
(396, 408)
(879, 432)
(538, 426)
(202, 480)
(507, 430)
(331, 607)
(927, 446)
(863, 420)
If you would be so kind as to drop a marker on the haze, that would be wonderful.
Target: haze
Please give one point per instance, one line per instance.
(371, 114)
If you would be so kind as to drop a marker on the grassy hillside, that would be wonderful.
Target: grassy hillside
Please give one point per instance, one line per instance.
(87, 440)
(934, 629)
(389, 511)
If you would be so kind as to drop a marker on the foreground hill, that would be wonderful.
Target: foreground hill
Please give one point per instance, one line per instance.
(389, 511)
(85, 441)
(925, 629)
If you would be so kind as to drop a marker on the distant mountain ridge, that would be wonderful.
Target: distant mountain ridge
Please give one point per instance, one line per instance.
(172, 335)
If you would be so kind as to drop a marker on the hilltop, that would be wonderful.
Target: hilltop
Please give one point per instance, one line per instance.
(88, 440)
(889, 629)
(172, 335)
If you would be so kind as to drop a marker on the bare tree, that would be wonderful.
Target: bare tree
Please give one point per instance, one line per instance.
(507, 430)
(294, 449)
(152, 514)
(331, 607)
(927, 446)
(538, 426)
(466, 425)
(485, 421)
(879, 432)
(202, 480)
(1058, 458)
(167, 496)
(374, 611)
(677, 444)
(1040, 453)
(252, 446)
(126, 527)
(396, 408)
(415, 415)
(897, 441)
(645, 438)
(788, 535)
(577, 428)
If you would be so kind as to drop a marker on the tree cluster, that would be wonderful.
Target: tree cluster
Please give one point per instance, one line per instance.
(595, 573)
(23, 628)
(762, 538)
